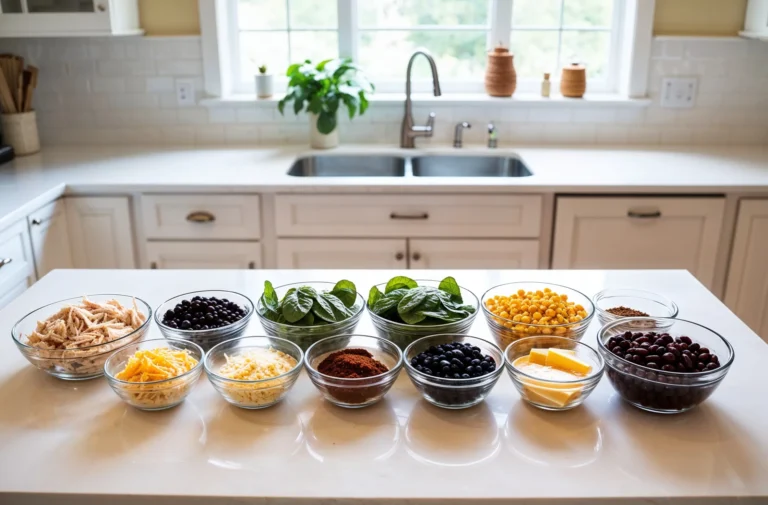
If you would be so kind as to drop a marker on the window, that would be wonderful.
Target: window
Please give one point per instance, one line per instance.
(380, 35)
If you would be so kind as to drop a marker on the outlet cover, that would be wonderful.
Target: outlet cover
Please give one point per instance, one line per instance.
(185, 92)
(679, 92)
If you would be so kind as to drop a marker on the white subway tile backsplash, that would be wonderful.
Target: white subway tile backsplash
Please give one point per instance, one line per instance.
(159, 84)
(108, 84)
(222, 115)
(193, 116)
(179, 67)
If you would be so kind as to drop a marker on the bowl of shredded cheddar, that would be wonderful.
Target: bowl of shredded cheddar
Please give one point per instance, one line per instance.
(155, 374)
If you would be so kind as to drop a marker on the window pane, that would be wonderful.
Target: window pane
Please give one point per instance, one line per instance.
(589, 48)
(588, 13)
(263, 48)
(535, 53)
(261, 14)
(457, 54)
(313, 14)
(407, 13)
(545, 13)
(315, 46)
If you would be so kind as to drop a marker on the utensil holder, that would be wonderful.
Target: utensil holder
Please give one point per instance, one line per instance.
(573, 83)
(20, 132)
(500, 75)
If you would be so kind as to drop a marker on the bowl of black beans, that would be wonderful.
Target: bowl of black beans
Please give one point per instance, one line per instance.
(454, 371)
(669, 367)
(206, 318)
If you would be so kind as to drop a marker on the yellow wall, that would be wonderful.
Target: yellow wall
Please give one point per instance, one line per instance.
(699, 17)
(673, 17)
(169, 17)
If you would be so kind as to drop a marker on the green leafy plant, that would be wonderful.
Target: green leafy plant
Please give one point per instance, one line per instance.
(404, 301)
(324, 87)
(305, 306)
(262, 69)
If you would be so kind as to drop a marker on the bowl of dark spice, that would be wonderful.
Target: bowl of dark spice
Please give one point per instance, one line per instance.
(454, 371)
(353, 371)
(614, 304)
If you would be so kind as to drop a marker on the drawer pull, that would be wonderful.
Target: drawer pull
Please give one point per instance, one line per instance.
(644, 215)
(252, 265)
(153, 265)
(201, 216)
(421, 216)
(5, 261)
(36, 222)
(399, 256)
(416, 256)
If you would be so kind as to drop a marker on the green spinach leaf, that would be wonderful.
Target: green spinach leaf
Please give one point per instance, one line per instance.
(388, 302)
(374, 295)
(297, 304)
(345, 291)
(323, 309)
(450, 286)
(400, 282)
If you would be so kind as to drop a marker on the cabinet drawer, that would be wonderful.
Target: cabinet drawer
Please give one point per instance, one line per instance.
(447, 254)
(408, 216)
(342, 253)
(16, 263)
(202, 217)
(13, 292)
(204, 255)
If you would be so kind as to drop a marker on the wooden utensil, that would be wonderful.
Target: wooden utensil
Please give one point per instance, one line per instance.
(30, 86)
(6, 97)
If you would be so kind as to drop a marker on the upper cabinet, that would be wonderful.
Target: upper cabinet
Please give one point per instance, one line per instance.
(638, 233)
(63, 18)
(756, 22)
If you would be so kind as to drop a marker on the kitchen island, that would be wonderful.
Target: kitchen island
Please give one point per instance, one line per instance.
(77, 443)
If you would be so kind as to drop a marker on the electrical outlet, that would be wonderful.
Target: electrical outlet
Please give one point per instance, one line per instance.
(678, 92)
(185, 92)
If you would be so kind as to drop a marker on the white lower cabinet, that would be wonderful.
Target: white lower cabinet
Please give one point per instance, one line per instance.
(342, 253)
(100, 232)
(199, 255)
(638, 233)
(746, 292)
(50, 238)
(474, 254)
(17, 267)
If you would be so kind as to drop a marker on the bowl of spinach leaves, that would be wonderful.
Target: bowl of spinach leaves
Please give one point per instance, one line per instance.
(305, 312)
(403, 309)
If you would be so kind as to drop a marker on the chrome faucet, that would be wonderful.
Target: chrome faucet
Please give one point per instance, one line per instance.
(457, 142)
(492, 140)
(409, 131)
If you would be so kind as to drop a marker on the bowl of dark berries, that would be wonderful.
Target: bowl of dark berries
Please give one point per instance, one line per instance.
(669, 367)
(454, 371)
(206, 318)
(614, 304)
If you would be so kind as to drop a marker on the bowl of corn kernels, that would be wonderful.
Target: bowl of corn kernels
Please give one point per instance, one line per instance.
(524, 309)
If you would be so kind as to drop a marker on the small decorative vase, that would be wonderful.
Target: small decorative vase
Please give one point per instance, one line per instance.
(319, 140)
(20, 132)
(573, 83)
(264, 85)
(500, 75)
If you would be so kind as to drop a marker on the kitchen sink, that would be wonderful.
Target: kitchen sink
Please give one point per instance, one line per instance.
(469, 166)
(349, 166)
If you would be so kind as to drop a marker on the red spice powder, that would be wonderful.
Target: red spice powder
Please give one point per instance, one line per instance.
(351, 364)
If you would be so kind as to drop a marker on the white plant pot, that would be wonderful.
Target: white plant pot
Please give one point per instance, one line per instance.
(319, 140)
(265, 85)
(20, 132)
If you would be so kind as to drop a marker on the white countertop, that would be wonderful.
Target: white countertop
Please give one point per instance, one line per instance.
(77, 443)
(29, 182)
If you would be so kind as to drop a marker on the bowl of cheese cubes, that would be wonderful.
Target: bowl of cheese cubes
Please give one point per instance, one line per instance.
(553, 373)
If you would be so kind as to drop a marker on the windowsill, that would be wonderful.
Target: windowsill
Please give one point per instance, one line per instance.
(529, 100)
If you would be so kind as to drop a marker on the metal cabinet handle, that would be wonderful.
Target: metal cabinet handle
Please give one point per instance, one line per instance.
(36, 222)
(153, 265)
(201, 216)
(5, 261)
(416, 256)
(644, 215)
(395, 215)
(252, 265)
(399, 256)
(101, 8)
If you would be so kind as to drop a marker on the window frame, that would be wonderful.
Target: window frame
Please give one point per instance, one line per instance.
(631, 37)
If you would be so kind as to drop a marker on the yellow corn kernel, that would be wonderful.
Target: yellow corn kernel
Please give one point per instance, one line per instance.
(525, 319)
(521, 292)
(537, 316)
(547, 331)
(516, 318)
(560, 330)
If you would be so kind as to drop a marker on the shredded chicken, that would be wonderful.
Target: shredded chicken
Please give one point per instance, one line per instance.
(86, 324)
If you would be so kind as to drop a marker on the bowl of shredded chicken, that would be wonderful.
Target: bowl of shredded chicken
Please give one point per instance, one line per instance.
(155, 374)
(72, 338)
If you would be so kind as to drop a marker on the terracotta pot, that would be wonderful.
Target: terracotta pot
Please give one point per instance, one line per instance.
(500, 75)
(573, 83)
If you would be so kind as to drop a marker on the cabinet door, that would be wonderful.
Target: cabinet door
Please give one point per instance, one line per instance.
(100, 232)
(746, 292)
(639, 232)
(16, 263)
(481, 254)
(34, 18)
(341, 253)
(9, 295)
(204, 255)
(50, 239)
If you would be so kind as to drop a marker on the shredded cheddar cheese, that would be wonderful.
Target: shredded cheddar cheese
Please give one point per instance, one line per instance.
(257, 364)
(148, 365)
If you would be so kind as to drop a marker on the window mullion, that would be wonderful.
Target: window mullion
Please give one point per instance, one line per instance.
(501, 23)
(347, 22)
(288, 28)
(560, 37)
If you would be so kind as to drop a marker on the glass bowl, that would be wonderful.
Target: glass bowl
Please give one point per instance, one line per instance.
(354, 392)
(404, 334)
(654, 305)
(550, 394)
(252, 394)
(206, 338)
(80, 363)
(661, 391)
(453, 393)
(506, 330)
(155, 395)
(305, 336)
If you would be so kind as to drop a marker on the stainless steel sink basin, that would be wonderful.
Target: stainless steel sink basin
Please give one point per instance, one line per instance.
(349, 166)
(469, 166)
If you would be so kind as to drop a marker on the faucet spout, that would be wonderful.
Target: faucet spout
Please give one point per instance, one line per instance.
(409, 131)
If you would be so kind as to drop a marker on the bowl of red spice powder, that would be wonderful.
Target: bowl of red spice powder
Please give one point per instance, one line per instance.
(353, 371)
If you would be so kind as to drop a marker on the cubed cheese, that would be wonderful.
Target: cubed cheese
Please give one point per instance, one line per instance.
(564, 360)
(550, 396)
